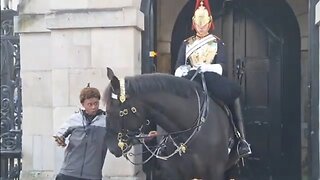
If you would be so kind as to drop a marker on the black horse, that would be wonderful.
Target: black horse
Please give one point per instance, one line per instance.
(199, 131)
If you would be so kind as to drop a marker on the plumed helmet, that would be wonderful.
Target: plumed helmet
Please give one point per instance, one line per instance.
(202, 14)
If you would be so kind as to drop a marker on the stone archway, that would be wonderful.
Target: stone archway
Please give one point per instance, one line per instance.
(300, 12)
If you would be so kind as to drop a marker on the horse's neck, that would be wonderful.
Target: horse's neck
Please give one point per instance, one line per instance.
(171, 112)
(162, 120)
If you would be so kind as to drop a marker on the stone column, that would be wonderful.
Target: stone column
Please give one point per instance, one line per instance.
(317, 22)
(168, 12)
(64, 46)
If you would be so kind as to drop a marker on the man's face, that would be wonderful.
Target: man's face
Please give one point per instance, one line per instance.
(202, 30)
(91, 106)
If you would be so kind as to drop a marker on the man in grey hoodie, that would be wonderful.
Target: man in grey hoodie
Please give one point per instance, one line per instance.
(86, 131)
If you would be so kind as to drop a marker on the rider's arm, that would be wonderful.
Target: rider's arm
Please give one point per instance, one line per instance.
(181, 69)
(181, 59)
(221, 56)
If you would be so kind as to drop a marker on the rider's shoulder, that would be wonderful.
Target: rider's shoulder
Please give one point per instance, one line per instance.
(190, 39)
(218, 39)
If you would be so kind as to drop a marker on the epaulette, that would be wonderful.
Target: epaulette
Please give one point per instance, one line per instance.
(190, 39)
(217, 37)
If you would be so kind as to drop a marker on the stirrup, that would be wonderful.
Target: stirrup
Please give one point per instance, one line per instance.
(243, 148)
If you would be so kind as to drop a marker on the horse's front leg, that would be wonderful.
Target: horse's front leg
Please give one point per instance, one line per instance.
(168, 170)
(216, 170)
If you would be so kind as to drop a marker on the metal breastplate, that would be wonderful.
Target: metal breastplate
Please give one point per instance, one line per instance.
(204, 54)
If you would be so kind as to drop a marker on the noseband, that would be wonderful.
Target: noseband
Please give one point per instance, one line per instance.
(123, 142)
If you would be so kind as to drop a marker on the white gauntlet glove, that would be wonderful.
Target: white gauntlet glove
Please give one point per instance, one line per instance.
(182, 70)
(217, 68)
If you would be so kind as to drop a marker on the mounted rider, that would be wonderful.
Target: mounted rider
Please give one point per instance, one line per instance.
(205, 53)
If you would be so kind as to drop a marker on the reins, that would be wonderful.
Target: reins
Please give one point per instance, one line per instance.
(180, 147)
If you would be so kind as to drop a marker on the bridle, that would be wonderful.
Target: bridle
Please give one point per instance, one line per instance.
(124, 136)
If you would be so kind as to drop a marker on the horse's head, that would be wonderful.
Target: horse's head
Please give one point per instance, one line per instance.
(112, 143)
(125, 113)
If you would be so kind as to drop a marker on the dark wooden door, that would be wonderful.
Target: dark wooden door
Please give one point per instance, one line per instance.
(257, 56)
(256, 51)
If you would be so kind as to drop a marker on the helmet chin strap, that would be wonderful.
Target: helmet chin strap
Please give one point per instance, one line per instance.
(201, 36)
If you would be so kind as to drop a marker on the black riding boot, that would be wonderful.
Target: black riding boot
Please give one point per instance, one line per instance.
(243, 146)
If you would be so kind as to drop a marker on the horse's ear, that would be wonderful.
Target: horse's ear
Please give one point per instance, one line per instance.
(110, 73)
(114, 80)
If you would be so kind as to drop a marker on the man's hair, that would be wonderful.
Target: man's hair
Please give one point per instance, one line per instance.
(89, 92)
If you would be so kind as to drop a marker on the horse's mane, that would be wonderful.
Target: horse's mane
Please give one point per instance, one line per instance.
(160, 82)
(155, 82)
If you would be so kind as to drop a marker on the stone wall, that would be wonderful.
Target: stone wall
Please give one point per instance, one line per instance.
(65, 45)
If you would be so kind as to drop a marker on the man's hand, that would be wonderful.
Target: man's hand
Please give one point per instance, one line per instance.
(151, 135)
(60, 140)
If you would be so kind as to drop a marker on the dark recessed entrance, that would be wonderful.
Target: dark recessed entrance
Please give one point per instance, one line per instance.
(263, 41)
